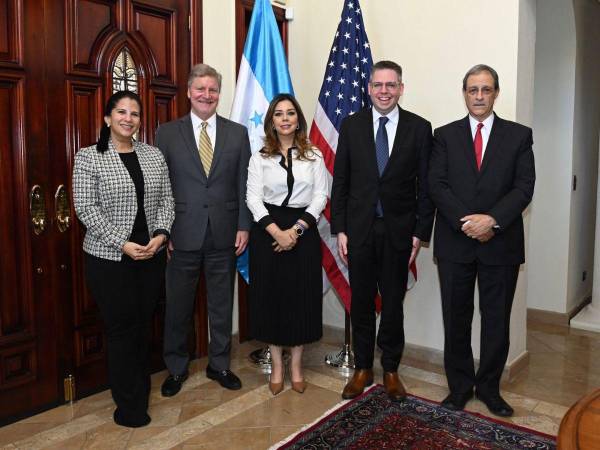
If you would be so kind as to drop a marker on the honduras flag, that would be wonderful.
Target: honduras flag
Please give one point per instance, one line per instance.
(263, 74)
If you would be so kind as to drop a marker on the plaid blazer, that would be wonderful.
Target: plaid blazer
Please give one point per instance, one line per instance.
(105, 199)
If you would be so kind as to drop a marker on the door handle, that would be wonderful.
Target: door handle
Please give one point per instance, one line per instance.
(37, 209)
(62, 210)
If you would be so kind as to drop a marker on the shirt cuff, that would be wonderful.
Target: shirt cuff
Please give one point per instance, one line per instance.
(161, 231)
(265, 221)
(308, 218)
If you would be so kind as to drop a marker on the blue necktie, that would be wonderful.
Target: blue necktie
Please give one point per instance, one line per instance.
(382, 151)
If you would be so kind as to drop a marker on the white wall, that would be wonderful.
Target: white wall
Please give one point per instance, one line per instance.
(566, 120)
(433, 53)
(524, 115)
(586, 122)
(218, 46)
(553, 117)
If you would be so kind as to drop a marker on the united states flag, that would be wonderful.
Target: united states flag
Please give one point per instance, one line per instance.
(344, 91)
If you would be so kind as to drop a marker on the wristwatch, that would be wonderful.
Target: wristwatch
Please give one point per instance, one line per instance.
(299, 229)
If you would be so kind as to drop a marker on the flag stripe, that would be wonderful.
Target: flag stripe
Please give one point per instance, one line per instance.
(343, 92)
(264, 51)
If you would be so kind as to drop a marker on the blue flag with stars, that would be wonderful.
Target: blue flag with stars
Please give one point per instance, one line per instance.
(263, 74)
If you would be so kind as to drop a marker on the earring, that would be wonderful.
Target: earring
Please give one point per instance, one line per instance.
(298, 127)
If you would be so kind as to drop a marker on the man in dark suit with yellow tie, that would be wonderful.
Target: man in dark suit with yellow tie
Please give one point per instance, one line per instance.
(481, 179)
(208, 159)
(380, 211)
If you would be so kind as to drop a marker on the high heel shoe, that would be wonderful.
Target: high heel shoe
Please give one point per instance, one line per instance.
(275, 388)
(299, 386)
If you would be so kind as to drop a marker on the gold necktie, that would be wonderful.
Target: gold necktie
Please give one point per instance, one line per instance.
(206, 150)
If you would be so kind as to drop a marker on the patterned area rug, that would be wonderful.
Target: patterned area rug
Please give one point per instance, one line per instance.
(372, 421)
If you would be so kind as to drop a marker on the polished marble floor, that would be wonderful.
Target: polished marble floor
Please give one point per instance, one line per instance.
(564, 365)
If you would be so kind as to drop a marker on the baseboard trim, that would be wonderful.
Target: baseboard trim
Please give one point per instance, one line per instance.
(577, 308)
(549, 317)
(513, 369)
(435, 356)
(556, 318)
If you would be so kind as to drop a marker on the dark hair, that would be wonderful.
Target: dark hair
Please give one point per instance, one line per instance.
(301, 141)
(380, 65)
(102, 144)
(477, 70)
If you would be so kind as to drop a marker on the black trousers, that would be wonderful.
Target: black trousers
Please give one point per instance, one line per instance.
(496, 291)
(127, 292)
(377, 265)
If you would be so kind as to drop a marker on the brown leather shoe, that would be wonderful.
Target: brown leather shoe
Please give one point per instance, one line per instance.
(357, 384)
(299, 386)
(393, 386)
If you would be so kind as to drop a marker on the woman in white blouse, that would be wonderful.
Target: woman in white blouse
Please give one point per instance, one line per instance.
(287, 191)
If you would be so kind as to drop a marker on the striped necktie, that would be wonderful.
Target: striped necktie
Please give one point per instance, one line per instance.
(206, 149)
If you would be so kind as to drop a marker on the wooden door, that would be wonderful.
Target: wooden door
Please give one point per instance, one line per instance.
(28, 358)
(59, 62)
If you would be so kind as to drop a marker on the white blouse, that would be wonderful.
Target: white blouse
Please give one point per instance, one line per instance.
(268, 183)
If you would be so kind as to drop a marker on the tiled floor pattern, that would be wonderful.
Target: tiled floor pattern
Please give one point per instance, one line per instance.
(564, 365)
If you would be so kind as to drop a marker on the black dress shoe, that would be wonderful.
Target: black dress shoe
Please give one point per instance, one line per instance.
(172, 385)
(496, 404)
(130, 420)
(226, 378)
(457, 401)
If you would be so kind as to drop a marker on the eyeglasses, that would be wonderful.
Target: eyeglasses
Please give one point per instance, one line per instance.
(390, 86)
(486, 90)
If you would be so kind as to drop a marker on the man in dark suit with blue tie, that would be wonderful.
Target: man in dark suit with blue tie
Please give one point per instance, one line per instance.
(380, 211)
(208, 159)
(481, 179)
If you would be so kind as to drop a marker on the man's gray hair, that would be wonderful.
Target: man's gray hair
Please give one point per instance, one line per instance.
(475, 70)
(204, 70)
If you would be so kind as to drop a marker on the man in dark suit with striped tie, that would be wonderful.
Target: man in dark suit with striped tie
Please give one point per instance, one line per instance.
(481, 179)
(380, 211)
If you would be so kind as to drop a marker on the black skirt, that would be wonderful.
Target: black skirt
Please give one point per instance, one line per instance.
(285, 296)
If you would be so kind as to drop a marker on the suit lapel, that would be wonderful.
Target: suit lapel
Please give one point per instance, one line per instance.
(371, 157)
(493, 145)
(464, 130)
(401, 130)
(219, 146)
(187, 133)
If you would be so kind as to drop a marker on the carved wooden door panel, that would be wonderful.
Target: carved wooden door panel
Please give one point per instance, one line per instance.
(59, 62)
(28, 362)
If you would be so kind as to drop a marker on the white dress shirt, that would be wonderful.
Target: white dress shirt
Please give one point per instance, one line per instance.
(390, 126)
(486, 129)
(211, 128)
(267, 183)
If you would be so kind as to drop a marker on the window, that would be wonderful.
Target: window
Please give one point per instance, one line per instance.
(124, 74)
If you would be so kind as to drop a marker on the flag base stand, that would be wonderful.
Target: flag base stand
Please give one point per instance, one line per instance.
(261, 358)
(343, 360)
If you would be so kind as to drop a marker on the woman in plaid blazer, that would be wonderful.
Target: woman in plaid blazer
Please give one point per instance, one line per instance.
(122, 194)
